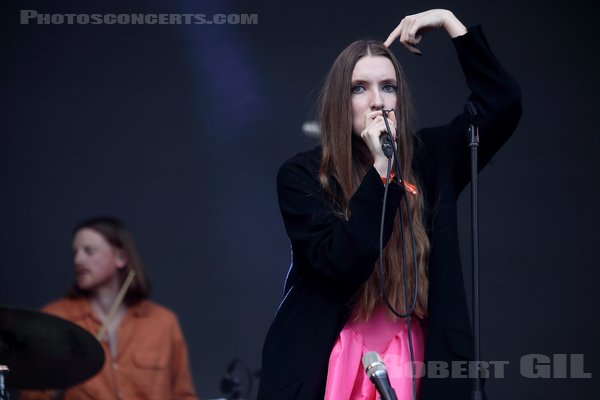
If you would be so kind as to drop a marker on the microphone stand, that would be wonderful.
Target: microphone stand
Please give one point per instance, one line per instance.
(477, 391)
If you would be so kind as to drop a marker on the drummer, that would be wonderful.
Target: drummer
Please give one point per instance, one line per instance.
(145, 351)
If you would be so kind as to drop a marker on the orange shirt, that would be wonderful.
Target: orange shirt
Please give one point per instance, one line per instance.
(151, 361)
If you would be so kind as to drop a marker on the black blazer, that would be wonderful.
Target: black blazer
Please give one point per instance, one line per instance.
(331, 257)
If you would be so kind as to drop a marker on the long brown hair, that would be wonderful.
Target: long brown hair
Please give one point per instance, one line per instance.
(119, 237)
(346, 160)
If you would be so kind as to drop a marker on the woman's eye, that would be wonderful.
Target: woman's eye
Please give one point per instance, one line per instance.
(389, 88)
(358, 89)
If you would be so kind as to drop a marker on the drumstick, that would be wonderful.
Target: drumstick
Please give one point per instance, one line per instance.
(116, 304)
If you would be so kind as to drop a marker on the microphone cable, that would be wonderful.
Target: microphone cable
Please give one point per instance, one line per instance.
(413, 303)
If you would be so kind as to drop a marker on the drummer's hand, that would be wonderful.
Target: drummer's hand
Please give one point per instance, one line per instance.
(412, 27)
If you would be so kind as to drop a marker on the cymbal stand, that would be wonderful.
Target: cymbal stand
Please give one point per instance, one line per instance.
(3, 392)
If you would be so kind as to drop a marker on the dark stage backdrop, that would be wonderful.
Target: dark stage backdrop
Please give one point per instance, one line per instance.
(179, 130)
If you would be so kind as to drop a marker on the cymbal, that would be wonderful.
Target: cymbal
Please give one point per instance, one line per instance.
(46, 352)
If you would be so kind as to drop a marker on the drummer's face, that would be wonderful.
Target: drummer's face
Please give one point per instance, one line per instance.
(96, 262)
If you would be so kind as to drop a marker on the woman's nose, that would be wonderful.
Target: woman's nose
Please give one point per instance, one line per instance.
(376, 100)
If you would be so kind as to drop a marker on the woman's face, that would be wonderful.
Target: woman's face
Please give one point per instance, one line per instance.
(97, 263)
(373, 88)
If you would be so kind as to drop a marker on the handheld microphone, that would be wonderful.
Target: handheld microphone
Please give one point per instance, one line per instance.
(387, 148)
(375, 370)
(386, 145)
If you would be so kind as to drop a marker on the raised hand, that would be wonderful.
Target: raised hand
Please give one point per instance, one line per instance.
(412, 27)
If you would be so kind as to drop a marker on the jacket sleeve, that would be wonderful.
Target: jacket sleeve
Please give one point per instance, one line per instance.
(340, 249)
(497, 95)
(181, 378)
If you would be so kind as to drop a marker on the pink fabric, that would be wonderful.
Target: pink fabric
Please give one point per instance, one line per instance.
(346, 378)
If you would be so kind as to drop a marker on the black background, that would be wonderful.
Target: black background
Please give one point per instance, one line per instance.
(179, 130)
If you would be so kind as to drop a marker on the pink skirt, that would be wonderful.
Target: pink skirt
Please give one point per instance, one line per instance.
(346, 378)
